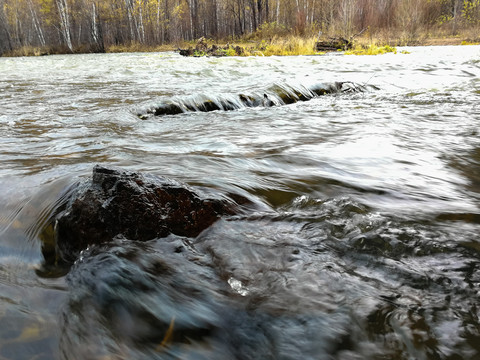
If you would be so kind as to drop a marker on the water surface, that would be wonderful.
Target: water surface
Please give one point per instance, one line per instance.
(361, 240)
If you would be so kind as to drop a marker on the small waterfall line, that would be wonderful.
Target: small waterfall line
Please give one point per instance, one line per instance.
(276, 95)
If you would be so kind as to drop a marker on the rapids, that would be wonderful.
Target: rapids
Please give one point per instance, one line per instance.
(359, 238)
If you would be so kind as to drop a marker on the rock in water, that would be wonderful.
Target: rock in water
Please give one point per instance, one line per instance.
(134, 205)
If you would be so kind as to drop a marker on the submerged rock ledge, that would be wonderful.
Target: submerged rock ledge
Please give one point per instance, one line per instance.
(278, 94)
(116, 202)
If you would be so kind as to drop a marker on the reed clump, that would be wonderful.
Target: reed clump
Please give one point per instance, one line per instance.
(296, 45)
(287, 46)
(371, 49)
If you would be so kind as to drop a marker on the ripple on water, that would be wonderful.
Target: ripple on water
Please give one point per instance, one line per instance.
(360, 239)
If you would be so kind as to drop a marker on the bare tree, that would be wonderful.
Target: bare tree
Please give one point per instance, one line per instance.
(5, 39)
(346, 13)
(64, 15)
(36, 24)
(96, 30)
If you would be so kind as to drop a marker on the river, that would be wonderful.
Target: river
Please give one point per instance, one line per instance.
(361, 240)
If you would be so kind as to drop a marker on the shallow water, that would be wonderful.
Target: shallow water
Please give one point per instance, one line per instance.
(361, 240)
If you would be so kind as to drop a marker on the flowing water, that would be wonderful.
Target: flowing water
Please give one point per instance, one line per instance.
(361, 235)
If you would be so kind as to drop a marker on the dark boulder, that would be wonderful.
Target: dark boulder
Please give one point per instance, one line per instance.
(202, 49)
(134, 205)
(186, 52)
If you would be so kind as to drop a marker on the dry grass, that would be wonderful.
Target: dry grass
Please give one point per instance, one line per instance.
(291, 45)
(137, 47)
(27, 51)
(371, 49)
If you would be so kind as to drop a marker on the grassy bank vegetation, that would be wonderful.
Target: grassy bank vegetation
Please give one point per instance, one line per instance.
(267, 42)
(276, 46)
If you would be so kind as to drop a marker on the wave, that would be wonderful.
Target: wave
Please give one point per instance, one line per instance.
(276, 95)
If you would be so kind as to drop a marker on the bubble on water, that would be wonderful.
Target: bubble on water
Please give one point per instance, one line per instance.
(237, 286)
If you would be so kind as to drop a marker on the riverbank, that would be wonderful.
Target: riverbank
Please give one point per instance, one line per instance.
(279, 46)
(297, 45)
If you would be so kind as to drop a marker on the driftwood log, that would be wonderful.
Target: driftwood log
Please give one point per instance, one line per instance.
(337, 43)
(334, 44)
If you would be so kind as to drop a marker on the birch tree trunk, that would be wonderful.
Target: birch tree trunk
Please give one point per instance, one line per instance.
(253, 9)
(96, 29)
(141, 27)
(456, 6)
(193, 4)
(131, 19)
(63, 12)
(158, 31)
(36, 24)
(277, 12)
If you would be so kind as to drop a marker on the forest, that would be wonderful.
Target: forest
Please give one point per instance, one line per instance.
(70, 26)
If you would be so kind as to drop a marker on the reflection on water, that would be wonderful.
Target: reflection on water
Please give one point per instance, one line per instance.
(359, 240)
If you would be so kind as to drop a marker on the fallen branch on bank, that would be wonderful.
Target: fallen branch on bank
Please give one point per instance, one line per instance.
(334, 44)
(337, 43)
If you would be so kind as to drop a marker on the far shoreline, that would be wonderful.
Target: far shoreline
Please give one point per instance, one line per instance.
(253, 44)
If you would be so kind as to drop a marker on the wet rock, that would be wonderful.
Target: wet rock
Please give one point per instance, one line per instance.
(138, 293)
(152, 302)
(186, 52)
(280, 94)
(202, 49)
(137, 206)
